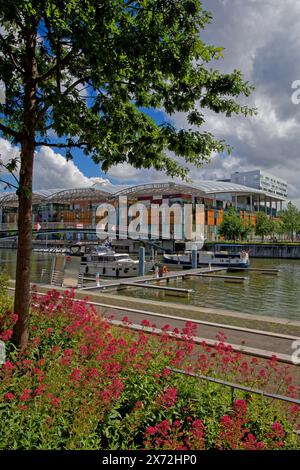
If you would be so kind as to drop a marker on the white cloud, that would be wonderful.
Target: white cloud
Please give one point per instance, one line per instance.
(261, 37)
(51, 169)
(125, 173)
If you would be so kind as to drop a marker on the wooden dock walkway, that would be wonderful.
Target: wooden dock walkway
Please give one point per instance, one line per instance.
(148, 281)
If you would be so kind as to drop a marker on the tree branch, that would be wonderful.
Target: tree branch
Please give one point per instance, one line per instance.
(9, 131)
(74, 85)
(9, 184)
(61, 145)
(46, 128)
(9, 52)
(65, 93)
(53, 69)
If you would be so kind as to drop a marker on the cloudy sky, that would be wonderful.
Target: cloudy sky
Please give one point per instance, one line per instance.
(261, 38)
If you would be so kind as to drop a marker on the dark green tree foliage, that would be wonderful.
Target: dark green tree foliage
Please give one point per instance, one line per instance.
(86, 71)
(246, 230)
(263, 226)
(232, 225)
(290, 220)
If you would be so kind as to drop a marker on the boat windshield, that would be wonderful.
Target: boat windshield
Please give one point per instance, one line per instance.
(122, 257)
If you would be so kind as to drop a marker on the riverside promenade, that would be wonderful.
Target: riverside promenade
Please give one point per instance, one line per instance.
(252, 335)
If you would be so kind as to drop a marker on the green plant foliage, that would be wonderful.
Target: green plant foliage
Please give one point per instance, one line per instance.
(232, 226)
(263, 225)
(5, 298)
(290, 220)
(84, 384)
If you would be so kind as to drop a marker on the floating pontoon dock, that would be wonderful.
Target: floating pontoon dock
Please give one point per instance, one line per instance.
(143, 281)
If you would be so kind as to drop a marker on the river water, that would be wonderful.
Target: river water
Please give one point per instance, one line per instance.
(276, 296)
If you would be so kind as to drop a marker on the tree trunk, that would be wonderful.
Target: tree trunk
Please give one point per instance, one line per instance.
(22, 288)
(22, 292)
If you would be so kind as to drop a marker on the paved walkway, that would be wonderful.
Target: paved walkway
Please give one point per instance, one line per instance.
(271, 343)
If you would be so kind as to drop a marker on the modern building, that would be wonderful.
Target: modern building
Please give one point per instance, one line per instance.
(77, 208)
(261, 180)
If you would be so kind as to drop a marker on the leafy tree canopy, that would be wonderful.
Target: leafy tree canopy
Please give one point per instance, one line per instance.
(96, 66)
(290, 220)
(232, 225)
(263, 226)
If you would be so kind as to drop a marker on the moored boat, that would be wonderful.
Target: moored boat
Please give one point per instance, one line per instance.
(111, 264)
(210, 258)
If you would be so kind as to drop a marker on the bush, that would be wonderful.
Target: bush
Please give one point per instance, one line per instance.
(85, 384)
(5, 299)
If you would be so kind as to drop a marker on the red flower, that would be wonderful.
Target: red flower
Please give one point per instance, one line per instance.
(55, 402)
(166, 372)
(23, 407)
(177, 423)
(166, 328)
(240, 406)
(93, 372)
(278, 429)
(27, 363)
(197, 429)
(151, 430)
(226, 420)
(6, 335)
(8, 366)
(138, 405)
(75, 376)
(168, 398)
(251, 443)
(39, 390)
(9, 396)
(25, 395)
(106, 396)
(83, 350)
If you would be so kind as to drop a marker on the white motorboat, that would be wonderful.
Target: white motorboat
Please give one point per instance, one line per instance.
(110, 264)
(210, 258)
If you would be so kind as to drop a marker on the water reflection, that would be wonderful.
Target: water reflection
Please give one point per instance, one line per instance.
(277, 296)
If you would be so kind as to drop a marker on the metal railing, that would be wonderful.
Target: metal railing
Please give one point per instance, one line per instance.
(235, 386)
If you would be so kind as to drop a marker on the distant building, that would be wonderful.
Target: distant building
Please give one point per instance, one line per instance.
(77, 208)
(261, 180)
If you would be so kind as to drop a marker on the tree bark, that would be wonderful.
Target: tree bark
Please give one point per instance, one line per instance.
(22, 287)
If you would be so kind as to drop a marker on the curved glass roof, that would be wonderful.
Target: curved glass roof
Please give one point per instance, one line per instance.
(215, 187)
(197, 188)
(107, 190)
(78, 194)
(11, 199)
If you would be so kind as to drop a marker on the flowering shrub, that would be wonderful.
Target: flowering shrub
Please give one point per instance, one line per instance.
(85, 384)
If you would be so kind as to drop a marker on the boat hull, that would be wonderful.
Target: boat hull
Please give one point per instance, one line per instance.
(200, 265)
(108, 270)
(209, 259)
